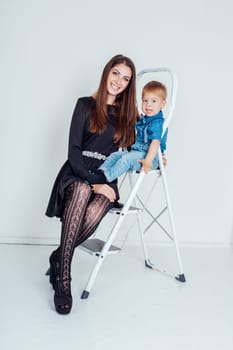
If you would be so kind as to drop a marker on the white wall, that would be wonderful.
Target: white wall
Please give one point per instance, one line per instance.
(53, 52)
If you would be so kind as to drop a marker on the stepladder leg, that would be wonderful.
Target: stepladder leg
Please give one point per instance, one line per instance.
(86, 291)
(101, 258)
(172, 235)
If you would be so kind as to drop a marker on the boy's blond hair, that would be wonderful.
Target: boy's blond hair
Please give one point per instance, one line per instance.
(155, 86)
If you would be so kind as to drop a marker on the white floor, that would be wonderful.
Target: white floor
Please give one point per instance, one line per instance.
(129, 307)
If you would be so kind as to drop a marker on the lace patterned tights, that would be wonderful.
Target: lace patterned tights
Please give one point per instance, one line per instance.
(81, 216)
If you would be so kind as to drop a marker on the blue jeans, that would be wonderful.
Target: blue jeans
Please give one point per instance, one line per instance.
(119, 163)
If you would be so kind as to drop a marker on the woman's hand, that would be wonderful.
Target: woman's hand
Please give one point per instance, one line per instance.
(104, 189)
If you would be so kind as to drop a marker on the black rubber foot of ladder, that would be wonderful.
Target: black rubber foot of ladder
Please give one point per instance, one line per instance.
(85, 294)
(180, 278)
(148, 265)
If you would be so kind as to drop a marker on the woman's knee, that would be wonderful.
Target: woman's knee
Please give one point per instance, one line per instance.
(78, 190)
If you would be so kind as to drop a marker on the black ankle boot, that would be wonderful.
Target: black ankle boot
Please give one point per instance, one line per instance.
(62, 297)
(117, 205)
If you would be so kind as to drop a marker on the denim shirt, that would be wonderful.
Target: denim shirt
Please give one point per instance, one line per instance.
(148, 129)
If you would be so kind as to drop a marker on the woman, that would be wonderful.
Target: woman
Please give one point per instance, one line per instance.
(100, 125)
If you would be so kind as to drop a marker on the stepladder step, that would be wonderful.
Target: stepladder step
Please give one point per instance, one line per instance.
(94, 246)
(131, 210)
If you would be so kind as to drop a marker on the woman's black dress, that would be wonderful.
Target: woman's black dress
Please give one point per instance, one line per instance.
(81, 139)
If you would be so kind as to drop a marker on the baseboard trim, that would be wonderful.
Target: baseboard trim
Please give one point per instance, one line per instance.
(55, 241)
(29, 240)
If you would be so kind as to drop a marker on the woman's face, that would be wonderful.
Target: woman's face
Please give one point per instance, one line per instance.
(118, 79)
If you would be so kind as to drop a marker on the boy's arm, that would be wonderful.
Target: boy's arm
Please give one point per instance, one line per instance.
(152, 151)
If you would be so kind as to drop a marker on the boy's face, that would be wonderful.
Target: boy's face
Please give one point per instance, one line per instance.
(152, 103)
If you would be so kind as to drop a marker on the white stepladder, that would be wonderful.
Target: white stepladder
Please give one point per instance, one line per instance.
(100, 248)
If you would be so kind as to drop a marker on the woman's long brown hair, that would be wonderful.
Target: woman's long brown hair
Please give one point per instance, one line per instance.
(126, 101)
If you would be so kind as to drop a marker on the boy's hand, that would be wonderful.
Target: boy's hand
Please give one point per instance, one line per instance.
(146, 165)
(164, 158)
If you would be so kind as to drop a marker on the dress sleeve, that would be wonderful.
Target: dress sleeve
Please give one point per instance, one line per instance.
(77, 132)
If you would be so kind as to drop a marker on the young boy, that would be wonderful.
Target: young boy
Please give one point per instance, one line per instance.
(143, 153)
(149, 128)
